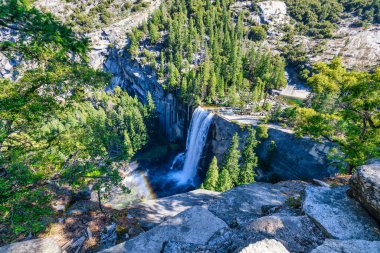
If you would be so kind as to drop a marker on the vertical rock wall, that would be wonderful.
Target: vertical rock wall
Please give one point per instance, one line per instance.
(174, 116)
(282, 156)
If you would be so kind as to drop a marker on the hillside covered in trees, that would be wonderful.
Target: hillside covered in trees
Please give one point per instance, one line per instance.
(58, 126)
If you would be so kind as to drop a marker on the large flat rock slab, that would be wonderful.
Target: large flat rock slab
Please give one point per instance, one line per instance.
(153, 212)
(248, 202)
(297, 233)
(47, 245)
(338, 215)
(365, 187)
(348, 246)
(195, 226)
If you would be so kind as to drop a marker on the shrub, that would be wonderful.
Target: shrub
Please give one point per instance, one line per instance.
(262, 131)
(257, 33)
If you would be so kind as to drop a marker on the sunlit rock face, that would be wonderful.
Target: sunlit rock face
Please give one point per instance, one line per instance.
(358, 48)
(273, 12)
(365, 187)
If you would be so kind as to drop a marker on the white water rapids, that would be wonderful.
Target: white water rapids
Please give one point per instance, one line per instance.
(196, 139)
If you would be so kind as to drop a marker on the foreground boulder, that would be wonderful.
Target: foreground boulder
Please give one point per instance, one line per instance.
(248, 202)
(297, 233)
(195, 225)
(265, 246)
(338, 215)
(365, 187)
(47, 245)
(351, 246)
(153, 212)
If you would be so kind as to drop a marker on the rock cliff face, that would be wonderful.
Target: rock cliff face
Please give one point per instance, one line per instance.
(282, 155)
(174, 116)
(365, 187)
(107, 53)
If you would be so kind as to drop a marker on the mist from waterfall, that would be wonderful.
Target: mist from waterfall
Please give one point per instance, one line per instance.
(196, 139)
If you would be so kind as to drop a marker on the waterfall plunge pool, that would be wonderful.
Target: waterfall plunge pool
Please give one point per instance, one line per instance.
(179, 174)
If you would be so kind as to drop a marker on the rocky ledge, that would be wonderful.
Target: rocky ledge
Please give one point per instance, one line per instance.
(365, 187)
(290, 216)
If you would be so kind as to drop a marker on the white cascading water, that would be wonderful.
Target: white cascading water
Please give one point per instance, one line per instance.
(196, 139)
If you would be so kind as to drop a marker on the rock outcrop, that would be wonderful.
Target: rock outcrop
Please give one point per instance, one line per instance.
(283, 156)
(265, 246)
(195, 225)
(248, 202)
(348, 246)
(358, 48)
(47, 245)
(235, 219)
(338, 215)
(298, 233)
(153, 212)
(273, 12)
(290, 216)
(365, 187)
(174, 116)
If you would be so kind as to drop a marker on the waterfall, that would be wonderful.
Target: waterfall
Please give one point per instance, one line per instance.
(196, 139)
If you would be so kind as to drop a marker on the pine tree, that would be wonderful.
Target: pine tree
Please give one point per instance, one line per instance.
(154, 34)
(161, 71)
(231, 163)
(224, 181)
(250, 160)
(212, 176)
(183, 89)
(212, 87)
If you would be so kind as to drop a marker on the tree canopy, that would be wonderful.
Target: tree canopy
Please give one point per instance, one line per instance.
(344, 110)
(57, 126)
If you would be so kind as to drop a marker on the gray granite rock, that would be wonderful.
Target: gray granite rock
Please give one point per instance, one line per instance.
(264, 246)
(348, 246)
(338, 215)
(293, 158)
(47, 245)
(273, 12)
(297, 233)
(194, 226)
(153, 212)
(248, 202)
(108, 236)
(181, 247)
(365, 187)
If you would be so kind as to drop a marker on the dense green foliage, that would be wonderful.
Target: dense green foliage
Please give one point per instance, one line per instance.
(231, 161)
(57, 127)
(224, 181)
(368, 10)
(262, 131)
(257, 33)
(237, 169)
(40, 35)
(315, 17)
(204, 56)
(88, 15)
(211, 181)
(344, 110)
(318, 17)
(249, 159)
